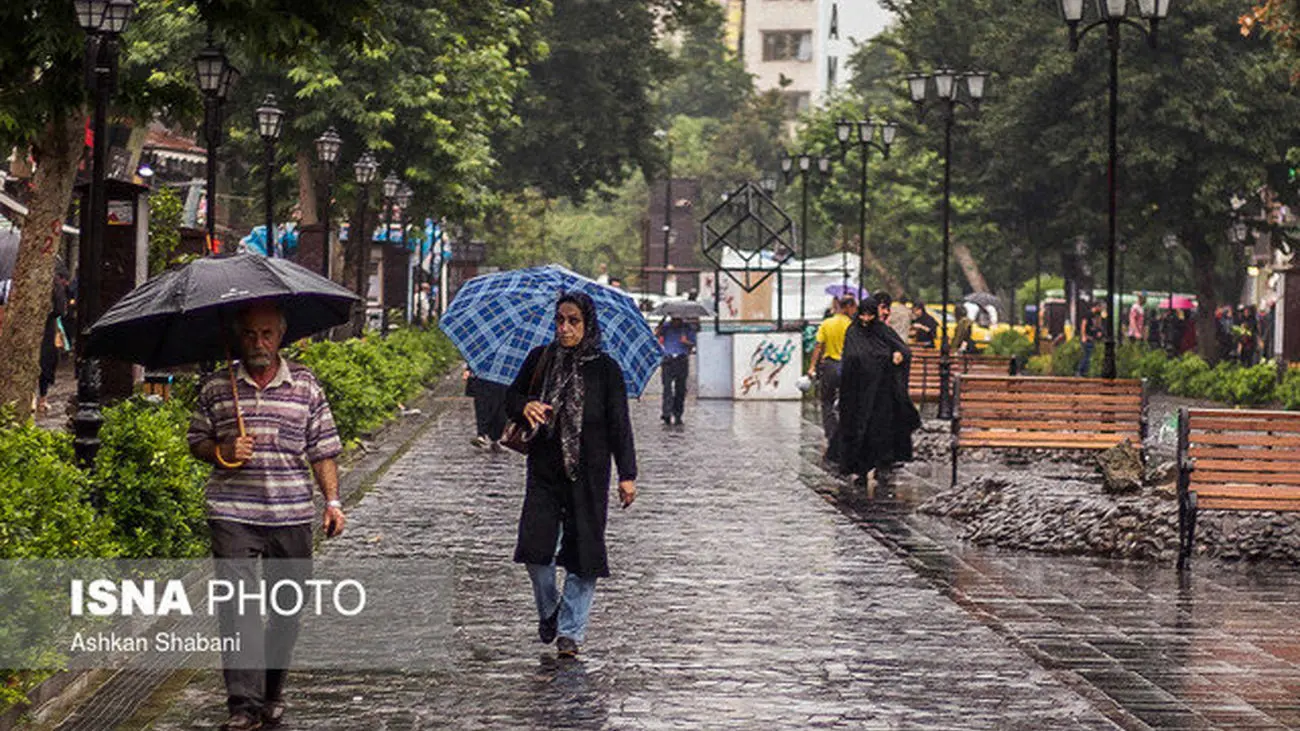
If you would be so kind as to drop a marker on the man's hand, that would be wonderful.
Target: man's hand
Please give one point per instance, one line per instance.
(626, 492)
(333, 521)
(537, 413)
(237, 449)
(898, 358)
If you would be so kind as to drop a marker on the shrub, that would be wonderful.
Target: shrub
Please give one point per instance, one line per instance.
(150, 485)
(1150, 365)
(1066, 357)
(45, 500)
(1039, 365)
(1254, 385)
(1013, 343)
(1288, 391)
(1181, 372)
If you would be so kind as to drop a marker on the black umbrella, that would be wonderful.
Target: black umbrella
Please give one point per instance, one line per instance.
(685, 309)
(184, 315)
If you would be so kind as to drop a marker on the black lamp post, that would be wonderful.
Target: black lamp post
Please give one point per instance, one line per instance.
(103, 21)
(866, 139)
(270, 122)
(943, 88)
(216, 78)
(364, 169)
(404, 201)
(805, 164)
(327, 152)
(392, 184)
(1171, 242)
(668, 204)
(1113, 14)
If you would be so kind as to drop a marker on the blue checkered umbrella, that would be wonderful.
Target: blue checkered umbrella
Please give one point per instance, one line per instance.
(496, 319)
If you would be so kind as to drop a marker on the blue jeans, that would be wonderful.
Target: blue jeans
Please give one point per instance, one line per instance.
(1086, 362)
(574, 603)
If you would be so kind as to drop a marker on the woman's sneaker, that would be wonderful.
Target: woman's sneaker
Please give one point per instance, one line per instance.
(480, 441)
(566, 647)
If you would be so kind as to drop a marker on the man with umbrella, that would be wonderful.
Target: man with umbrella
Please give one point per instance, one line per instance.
(266, 426)
(259, 497)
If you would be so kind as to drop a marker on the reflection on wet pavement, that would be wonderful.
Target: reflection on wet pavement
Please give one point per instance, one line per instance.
(1216, 647)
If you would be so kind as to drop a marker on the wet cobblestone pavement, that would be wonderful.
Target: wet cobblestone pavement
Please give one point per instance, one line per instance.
(740, 599)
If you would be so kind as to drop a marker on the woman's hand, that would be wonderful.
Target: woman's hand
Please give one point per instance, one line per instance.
(898, 358)
(537, 413)
(626, 492)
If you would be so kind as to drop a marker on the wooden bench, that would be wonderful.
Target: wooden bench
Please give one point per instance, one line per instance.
(1231, 459)
(923, 380)
(1033, 412)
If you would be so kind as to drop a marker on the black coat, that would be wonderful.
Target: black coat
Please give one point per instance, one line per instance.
(877, 417)
(550, 497)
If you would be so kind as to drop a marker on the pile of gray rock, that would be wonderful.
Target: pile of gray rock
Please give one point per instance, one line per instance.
(1075, 503)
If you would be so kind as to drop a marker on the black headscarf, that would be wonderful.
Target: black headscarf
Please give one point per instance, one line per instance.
(564, 388)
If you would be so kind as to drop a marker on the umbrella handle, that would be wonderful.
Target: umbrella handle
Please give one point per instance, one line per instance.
(239, 416)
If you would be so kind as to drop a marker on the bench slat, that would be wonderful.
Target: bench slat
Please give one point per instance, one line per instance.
(1044, 441)
(1213, 503)
(1062, 424)
(1218, 423)
(1002, 389)
(1246, 464)
(1198, 414)
(1272, 455)
(1245, 477)
(1256, 440)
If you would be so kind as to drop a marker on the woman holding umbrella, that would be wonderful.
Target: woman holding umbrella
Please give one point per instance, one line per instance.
(877, 417)
(574, 398)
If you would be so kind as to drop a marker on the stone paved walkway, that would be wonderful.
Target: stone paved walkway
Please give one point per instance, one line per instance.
(740, 599)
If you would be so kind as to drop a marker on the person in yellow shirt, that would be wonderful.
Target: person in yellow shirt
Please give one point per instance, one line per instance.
(825, 366)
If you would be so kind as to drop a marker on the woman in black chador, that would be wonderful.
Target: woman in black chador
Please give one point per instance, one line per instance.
(574, 395)
(877, 417)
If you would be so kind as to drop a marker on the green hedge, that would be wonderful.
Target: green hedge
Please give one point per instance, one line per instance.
(367, 378)
(1187, 375)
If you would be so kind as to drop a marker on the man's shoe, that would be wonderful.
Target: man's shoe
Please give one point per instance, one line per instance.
(677, 420)
(273, 714)
(666, 419)
(480, 441)
(547, 628)
(566, 647)
(242, 721)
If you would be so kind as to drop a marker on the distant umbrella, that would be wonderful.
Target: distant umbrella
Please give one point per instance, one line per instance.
(685, 309)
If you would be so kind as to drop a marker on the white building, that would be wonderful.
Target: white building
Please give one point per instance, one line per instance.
(802, 47)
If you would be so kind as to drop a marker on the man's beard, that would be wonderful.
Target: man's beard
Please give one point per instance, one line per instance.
(258, 360)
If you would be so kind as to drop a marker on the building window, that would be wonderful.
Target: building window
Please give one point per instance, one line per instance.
(787, 45)
(832, 71)
(835, 23)
(796, 102)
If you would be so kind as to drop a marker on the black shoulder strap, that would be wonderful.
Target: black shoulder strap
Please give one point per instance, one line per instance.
(542, 363)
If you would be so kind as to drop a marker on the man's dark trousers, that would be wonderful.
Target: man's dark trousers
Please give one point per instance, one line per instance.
(255, 675)
(675, 370)
(828, 388)
(490, 408)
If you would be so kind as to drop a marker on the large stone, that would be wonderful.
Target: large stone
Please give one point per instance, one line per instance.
(1121, 468)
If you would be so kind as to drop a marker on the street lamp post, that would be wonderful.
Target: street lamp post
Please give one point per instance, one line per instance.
(364, 170)
(1171, 242)
(216, 78)
(103, 21)
(866, 139)
(1113, 14)
(270, 121)
(668, 204)
(805, 164)
(327, 151)
(404, 201)
(392, 184)
(943, 88)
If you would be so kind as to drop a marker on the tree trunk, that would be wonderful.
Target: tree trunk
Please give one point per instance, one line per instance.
(966, 261)
(358, 240)
(892, 283)
(57, 153)
(1207, 298)
(306, 190)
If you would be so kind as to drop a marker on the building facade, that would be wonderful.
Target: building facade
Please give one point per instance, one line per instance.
(802, 47)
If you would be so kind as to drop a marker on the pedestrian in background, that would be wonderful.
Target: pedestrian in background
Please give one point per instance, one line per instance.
(924, 326)
(577, 403)
(489, 410)
(825, 364)
(678, 340)
(1137, 319)
(877, 416)
(899, 319)
(54, 338)
(963, 335)
(1090, 331)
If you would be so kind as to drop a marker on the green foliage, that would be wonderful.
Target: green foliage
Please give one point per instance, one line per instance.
(1066, 357)
(1149, 363)
(151, 487)
(1182, 374)
(165, 213)
(1288, 391)
(1027, 292)
(1254, 385)
(1013, 343)
(1039, 365)
(366, 379)
(45, 509)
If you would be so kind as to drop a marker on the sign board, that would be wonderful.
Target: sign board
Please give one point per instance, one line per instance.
(766, 366)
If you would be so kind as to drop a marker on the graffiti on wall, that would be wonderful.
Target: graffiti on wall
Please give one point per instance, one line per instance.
(768, 363)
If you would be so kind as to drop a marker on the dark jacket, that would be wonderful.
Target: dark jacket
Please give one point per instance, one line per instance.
(550, 498)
